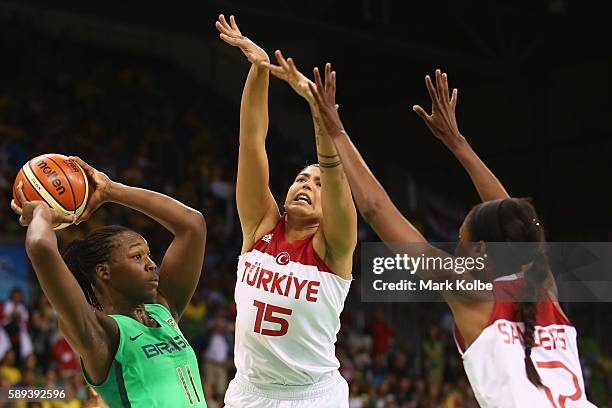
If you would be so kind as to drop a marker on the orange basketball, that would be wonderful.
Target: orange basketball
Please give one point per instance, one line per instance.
(57, 180)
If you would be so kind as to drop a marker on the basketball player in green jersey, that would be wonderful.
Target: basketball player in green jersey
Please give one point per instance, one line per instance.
(115, 308)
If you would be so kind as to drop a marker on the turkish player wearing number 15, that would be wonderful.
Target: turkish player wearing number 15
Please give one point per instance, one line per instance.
(295, 269)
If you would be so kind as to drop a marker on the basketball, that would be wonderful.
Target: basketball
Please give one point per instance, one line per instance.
(57, 180)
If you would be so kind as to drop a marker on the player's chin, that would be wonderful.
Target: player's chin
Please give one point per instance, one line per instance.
(300, 209)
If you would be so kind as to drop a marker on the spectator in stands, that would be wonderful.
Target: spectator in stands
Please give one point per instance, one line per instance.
(64, 358)
(433, 348)
(43, 327)
(381, 332)
(8, 369)
(15, 322)
(217, 359)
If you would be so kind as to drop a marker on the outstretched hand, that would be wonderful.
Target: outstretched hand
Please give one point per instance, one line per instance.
(230, 33)
(325, 100)
(99, 188)
(26, 210)
(442, 122)
(288, 72)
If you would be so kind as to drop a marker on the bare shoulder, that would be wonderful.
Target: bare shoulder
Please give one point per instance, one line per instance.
(471, 318)
(98, 350)
(267, 224)
(341, 264)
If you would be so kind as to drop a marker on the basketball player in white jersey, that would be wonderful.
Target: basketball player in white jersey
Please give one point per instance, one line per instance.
(295, 268)
(516, 354)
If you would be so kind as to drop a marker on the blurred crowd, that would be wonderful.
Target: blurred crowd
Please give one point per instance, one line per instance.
(146, 123)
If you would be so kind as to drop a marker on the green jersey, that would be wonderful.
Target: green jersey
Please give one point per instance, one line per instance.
(153, 367)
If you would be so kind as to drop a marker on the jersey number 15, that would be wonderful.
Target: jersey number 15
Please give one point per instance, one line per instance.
(266, 313)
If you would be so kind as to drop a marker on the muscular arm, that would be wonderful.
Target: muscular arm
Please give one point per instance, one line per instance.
(257, 208)
(181, 267)
(182, 264)
(373, 201)
(443, 124)
(339, 222)
(91, 334)
(339, 217)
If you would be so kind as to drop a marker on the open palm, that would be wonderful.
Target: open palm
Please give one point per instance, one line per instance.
(230, 33)
(288, 72)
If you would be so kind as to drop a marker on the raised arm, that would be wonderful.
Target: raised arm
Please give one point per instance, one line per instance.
(372, 200)
(257, 208)
(339, 224)
(91, 333)
(181, 267)
(443, 124)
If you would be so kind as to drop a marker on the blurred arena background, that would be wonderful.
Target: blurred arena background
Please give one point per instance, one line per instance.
(146, 92)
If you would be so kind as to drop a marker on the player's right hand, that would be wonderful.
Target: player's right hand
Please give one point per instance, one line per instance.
(100, 186)
(230, 33)
(325, 98)
(442, 122)
(30, 209)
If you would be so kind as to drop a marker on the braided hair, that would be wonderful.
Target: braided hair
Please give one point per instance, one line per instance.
(82, 255)
(515, 220)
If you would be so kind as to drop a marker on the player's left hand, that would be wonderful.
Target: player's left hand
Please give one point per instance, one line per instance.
(325, 99)
(99, 188)
(442, 122)
(29, 209)
(230, 33)
(288, 72)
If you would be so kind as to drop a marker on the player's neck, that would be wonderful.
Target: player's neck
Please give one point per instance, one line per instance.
(123, 306)
(296, 228)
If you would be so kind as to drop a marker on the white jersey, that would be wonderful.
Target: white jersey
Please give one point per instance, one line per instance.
(288, 304)
(495, 364)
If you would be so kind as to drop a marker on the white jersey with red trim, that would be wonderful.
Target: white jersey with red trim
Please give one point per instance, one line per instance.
(288, 304)
(494, 362)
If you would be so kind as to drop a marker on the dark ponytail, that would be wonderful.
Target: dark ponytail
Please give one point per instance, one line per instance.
(515, 220)
(82, 255)
(527, 311)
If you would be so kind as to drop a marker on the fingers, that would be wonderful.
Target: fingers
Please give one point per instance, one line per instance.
(328, 79)
(453, 101)
(439, 86)
(20, 196)
(292, 66)
(233, 24)
(88, 169)
(84, 217)
(224, 24)
(64, 219)
(315, 93)
(332, 91)
(282, 61)
(229, 29)
(444, 90)
(317, 77)
(22, 221)
(275, 70)
(432, 91)
(421, 112)
(230, 40)
(16, 209)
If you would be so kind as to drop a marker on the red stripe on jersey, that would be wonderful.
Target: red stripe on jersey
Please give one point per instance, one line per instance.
(548, 314)
(300, 250)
